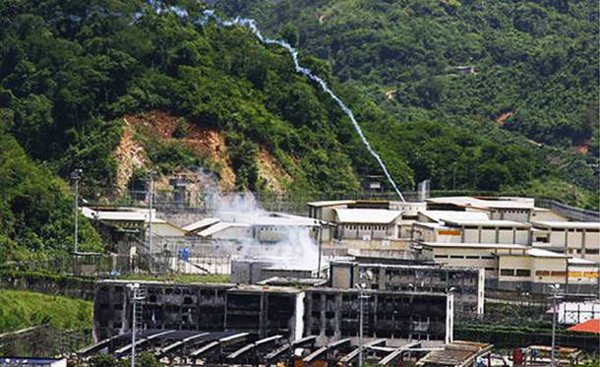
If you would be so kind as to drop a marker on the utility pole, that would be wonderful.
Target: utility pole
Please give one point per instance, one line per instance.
(75, 176)
(554, 288)
(150, 198)
(363, 275)
(135, 296)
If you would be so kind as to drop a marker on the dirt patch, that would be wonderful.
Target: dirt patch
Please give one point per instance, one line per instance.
(504, 116)
(161, 125)
(272, 172)
(130, 156)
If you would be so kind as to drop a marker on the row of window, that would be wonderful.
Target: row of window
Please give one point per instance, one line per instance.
(573, 230)
(364, 228)
(469, 257)
(587, 251)
(515, 272)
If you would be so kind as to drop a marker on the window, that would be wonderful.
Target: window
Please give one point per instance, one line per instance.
(589, 251)
(507, 272)
(559, 273)
(440, 256)
(542, 273)
(456, 257)
(487, 258)
(473, 257)
(523, 272)
(490, 269)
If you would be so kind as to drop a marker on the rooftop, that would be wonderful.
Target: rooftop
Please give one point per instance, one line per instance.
(564, 224)
(120, 215)
(487, 223)
(369, 216)
(206, 222)
(441, 215)
(320, 204)
(478, 245)
(485, 203)
(536, 252)
(220, 227)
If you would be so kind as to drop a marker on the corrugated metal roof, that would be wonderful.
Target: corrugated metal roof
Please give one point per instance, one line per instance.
(331, 203)
(120, 215)
(487, 223)
(220, 227)
(478, 245)
(440, 215)
(579, 261)
(206, 222)
(369, 216)
(466, 201)
(564, 224)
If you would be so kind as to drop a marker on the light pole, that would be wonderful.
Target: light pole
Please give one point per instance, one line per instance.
(75, 176)
(134, 288)
(363, 275)
(554, 288)
(150, 198)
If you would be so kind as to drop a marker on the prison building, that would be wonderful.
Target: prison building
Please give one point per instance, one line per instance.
(367, 224)
(468, 284)
(501, 208)
(334, 314)
(206, 307)
(580, 239)
(253, 271)
(472, 231)
(268, 310)
(513, 266)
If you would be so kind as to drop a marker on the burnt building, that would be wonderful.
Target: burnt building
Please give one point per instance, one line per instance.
(327, 313)
(467, 284)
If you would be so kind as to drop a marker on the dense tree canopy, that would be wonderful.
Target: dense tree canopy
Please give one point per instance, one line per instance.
(69, 70)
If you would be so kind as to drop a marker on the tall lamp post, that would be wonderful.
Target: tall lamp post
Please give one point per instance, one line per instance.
(76, 176)
(150, 199)
(363, 275)
(134, 289)
(554, 288)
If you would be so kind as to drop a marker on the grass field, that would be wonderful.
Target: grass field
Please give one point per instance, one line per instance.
(20, 309)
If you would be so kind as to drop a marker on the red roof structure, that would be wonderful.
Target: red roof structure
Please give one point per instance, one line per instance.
(590, 326)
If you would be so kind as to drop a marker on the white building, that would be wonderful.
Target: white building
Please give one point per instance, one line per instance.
(367, 224)
(581, 239)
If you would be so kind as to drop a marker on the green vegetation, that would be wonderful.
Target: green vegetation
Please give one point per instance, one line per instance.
(19, 309)
(144, 359)
(535, 76)
(36, 210)
(69, 72)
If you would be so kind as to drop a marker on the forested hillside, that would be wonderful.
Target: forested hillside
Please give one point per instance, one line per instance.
(496, 68)
(71, 70)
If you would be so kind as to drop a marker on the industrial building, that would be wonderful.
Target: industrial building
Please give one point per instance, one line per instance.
(467, 284)
(326, 313)
(581, 239)
(513, 266)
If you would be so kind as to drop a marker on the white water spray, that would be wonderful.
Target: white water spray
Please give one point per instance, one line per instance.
(251, 25)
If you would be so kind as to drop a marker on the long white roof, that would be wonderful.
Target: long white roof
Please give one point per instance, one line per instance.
(564, 224)
(487, 223)
(206, 222)
(441, 215)
(220, 227)
(134, 215)
(499, 203)
(331, 203)
(368, 216)
(477, 245)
